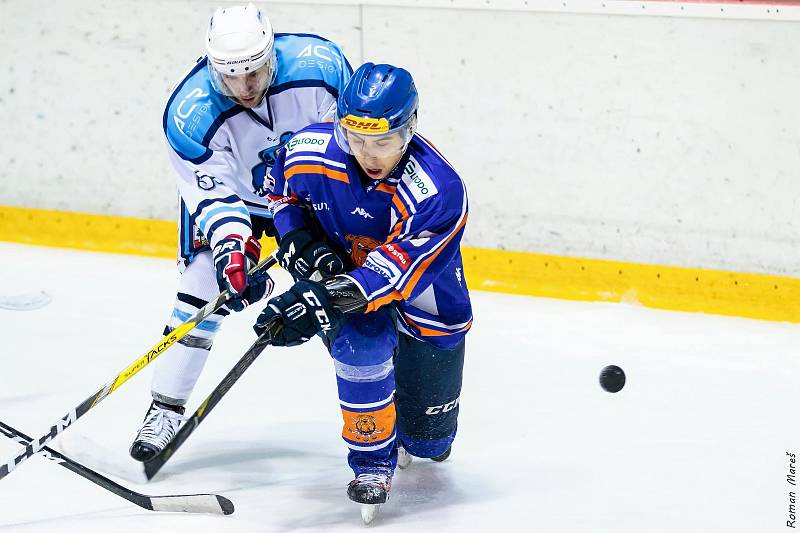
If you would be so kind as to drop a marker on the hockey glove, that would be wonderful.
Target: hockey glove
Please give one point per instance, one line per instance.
(300, 255)
(298, 314)
(233, 257)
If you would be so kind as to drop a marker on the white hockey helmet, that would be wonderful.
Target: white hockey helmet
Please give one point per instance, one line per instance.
(240, 45)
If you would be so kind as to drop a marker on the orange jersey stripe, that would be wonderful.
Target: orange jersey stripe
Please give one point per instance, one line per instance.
(316, 169)
(374, 305)
(428, 332)
(398, 226)
(406, 292)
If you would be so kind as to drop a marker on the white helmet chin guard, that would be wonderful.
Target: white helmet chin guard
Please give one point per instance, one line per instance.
(240, 43)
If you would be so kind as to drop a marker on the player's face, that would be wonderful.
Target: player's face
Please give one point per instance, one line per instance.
(248, 89)
(377, 155)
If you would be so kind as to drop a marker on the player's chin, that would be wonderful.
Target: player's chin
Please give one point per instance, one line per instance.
(249, 103)
(372, 169)
(375, 173)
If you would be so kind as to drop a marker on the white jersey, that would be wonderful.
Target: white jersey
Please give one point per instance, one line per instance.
(222, 151)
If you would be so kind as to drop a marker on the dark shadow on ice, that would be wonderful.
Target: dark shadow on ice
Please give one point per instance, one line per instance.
(424, 487)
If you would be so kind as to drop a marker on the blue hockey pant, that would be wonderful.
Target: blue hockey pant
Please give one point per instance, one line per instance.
(393, 387)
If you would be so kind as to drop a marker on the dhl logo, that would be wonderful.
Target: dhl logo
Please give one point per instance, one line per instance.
(365, 124)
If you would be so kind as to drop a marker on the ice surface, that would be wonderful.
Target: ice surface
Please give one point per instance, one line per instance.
(696, 441)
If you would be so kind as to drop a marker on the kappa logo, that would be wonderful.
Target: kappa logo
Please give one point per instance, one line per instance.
(361, 211)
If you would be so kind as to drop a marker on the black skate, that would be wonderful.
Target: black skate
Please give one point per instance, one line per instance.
(160, 424)
(404, 459)
(445, 455)
(370, 490)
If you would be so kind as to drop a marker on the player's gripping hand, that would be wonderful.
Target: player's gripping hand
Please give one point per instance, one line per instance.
(301, 255)
(233, 257)
(300, 313)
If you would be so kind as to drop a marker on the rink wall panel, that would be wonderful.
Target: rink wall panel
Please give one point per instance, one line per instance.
(757, 296)
(641, 133)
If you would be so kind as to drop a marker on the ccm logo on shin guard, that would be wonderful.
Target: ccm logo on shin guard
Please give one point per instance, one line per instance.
(444, 408)
(320, 314)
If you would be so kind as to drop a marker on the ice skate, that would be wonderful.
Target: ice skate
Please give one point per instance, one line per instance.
(445, 455)
(160, 424)
(404, 458)
(371, 491)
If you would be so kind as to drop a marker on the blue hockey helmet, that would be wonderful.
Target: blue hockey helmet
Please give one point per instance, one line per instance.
(378, 101)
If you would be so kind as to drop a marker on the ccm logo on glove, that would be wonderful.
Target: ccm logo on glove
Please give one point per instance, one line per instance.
(322, 317)
(298, 314)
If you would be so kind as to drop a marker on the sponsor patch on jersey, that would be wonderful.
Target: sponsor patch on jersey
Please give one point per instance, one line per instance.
(418, 182)
(308, 142)
(365, 124)
(384, 267)
(397, 255)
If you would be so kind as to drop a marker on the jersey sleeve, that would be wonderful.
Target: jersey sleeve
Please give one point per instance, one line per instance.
(288, 210)
(308, 60)
(201, 156)
(215, 207)
(424, 240)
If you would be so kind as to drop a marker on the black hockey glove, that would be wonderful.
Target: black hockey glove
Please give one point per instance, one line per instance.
(233, 258)
(298, 314)
(300, 255)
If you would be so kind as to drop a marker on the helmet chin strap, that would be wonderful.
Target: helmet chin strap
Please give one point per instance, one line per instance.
(412, 129)
(402, 155)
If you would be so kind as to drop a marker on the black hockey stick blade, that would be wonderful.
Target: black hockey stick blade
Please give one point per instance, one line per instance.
(187, 503)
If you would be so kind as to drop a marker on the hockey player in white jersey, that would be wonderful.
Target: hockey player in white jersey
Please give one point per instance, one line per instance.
(224, 123)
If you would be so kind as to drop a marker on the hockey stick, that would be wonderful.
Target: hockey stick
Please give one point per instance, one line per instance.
(345, 299)
(187, 503)
(174, 336)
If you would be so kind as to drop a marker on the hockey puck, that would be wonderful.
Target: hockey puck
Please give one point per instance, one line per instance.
(612, 378)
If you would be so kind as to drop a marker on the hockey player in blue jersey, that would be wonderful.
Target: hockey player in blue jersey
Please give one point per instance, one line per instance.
(384, 197)
(224, 123)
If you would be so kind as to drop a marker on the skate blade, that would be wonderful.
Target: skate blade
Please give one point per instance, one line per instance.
(369, 512)
(404, 460)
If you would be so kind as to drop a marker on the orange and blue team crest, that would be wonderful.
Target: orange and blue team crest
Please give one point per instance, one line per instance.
(361, 246)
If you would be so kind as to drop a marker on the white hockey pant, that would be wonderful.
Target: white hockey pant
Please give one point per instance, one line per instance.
(179, 368)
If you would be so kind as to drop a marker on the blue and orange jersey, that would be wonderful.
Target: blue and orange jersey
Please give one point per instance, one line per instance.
(402, 233)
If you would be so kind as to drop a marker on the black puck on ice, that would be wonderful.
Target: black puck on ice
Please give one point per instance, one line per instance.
(612, 378)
